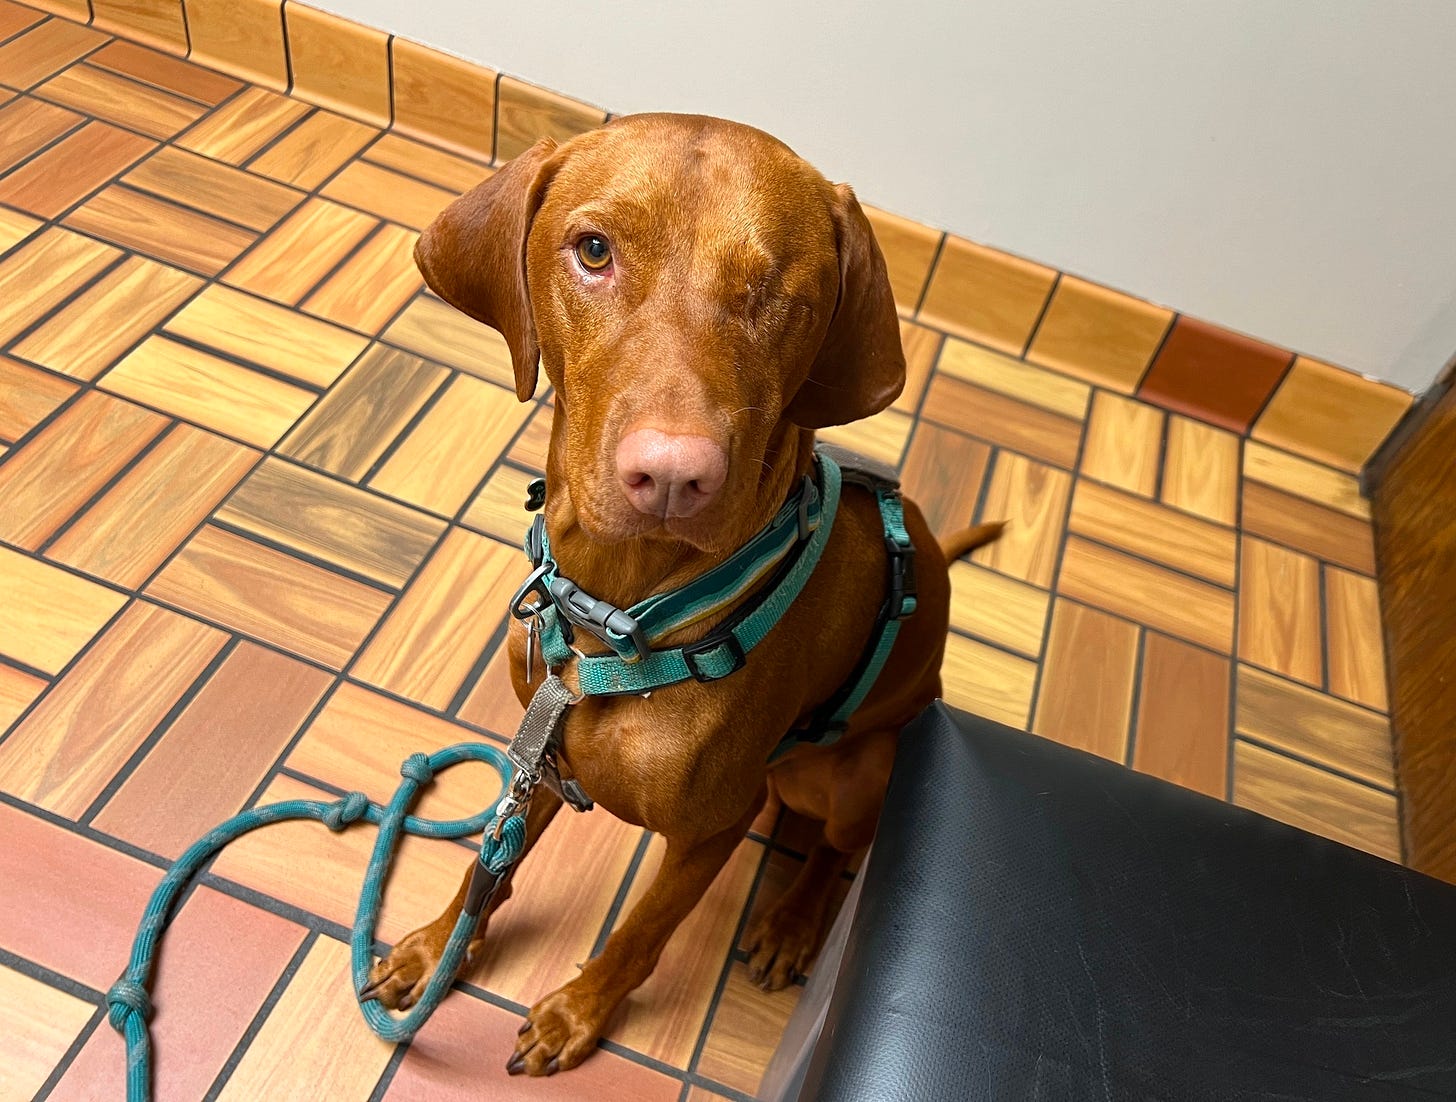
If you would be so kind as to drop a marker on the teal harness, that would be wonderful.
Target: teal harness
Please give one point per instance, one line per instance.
(780, 559)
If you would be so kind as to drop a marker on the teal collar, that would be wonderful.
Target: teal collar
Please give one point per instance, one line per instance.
(779, 559)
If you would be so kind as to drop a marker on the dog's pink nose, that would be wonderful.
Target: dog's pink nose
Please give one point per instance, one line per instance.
(665, 475)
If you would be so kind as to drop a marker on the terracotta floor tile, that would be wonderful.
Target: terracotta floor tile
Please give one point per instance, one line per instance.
(909, 250)
(1032, 499)
(1087, 682)
(214, 944)
(39, 1025)
(1183, 723)
(1155, 532)
(141, 520)
(47, 614)
(244, 124)
(360, 417)
(372, 285)
(264, 593)
(1314, 726)
(745, 1031)
(442, 333)
(461, 1056)
(157, 22)
(446, 455)
(122, 102)
(1354, 640)
(264, 333)
(216, 189)
(985, 295)
(525, 113)
(1279, 611)
(93, 330)
(1330, 415)
(359, 739)
(1099, 335)
(78, 913)
(67, 750)
(175, 234)
(1004, 421)
(45, 49)
(166, 72)
(215, 393)
(42, 273)
(1303, 478)
(1213, 374)
(443, 99)
(333, 521)
(18, 690)
(424, 876)
(943, 474)
(1201, 470)
(1124, 444)
(338, 63)
(289, 262)
(922, 347)
(664, 1016)
(987, 681)
(242, 38)
(498, 509)
(313, 150)
(1314, 800)
(1161, 599)
(54, 475)
(450, 171)
(314, 1043)
(997, 608)
(27, 397)
(992, 371)
(1323, 533)
(433, 637)
(209, 762)
(388, 194)
(28, 126)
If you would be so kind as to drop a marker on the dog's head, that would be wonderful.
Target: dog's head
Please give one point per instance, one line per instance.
(694, 290)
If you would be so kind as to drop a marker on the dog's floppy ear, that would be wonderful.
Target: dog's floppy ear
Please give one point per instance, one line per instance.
(473, 255)
(860, 368)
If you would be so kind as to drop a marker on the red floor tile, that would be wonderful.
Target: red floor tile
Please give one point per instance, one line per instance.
(1214, 374)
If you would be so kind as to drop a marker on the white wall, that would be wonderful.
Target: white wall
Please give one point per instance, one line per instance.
(1282, 167)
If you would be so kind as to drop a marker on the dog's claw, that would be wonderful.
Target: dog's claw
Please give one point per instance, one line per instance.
(371, 990)
(524, 1026)
(553, 1067)
(516, 1064)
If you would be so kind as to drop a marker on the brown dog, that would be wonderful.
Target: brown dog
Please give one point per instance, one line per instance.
(701, 300)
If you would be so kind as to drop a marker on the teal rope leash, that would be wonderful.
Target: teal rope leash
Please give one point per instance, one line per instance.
(128, 1003)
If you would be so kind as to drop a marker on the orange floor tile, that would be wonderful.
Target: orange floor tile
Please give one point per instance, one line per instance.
(244, 555)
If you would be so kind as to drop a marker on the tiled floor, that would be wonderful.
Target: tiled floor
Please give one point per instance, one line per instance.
(259, 515)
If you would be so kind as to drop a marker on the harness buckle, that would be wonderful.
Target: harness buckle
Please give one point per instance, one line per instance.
(599, 617)
(713, 643)
(902, 578)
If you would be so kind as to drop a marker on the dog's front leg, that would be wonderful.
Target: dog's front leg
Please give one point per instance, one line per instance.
(563, 1028)
(399, 979)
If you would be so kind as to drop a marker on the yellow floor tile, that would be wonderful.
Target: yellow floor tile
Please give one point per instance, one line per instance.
(1099, 335)
(239, 36)
(986, 296)
(39, 1024)
(993, 371)
(338, 63)
(1357, 656)
(1087, 681)
(997, 608)
(1330, 415)
(47, 614)
(1032, 499)
(1154, 531)
(441, 98)
(909, 250)
(1124, 444)
(1279, 611)
(1201, 470)
(987, 681)
(525, 113)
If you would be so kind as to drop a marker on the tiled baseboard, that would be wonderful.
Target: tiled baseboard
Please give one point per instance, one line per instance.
(1018, 308)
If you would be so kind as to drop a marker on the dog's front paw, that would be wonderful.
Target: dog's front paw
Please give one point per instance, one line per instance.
(399, 980)
(781, 945)
(560, 1031)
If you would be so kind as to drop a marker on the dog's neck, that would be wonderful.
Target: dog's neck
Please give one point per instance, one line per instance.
(626, 572)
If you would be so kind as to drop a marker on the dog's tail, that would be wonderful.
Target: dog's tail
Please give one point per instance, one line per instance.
(968, 539)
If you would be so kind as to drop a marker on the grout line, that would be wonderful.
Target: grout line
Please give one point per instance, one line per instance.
(1312, 763)
(497, 640)
(495, 120)
(1322, 626)
(280, 985)
(63, 1065)
(308, 558)
(276, 374)
(1231, 726)
(16, 664)
(287, 49)
(159, 732)
(1040, 317)
(1268, 398)
(51, 978)
(1135, 702)
(386, 1078)
(416, 419)
(624, 889)
(929, 278)
(136, 460)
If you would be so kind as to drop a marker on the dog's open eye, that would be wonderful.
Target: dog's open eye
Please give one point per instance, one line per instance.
(594, 253)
